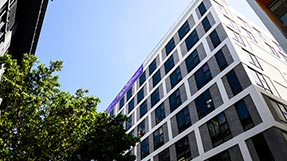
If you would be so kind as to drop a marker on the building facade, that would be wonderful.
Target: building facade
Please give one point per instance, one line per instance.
(215, 88)
(273, 14)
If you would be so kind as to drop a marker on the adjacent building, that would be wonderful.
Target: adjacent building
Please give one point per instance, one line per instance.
(273, 14)
(215, 88)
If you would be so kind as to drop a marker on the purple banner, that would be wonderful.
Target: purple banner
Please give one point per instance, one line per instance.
(133, 79)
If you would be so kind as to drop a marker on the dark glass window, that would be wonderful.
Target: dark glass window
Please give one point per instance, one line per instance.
(129, 93)
(143, 109)
(144, 148)
(156, 78)
(206, 24)
(175, 77)
(218, 129)
(233, 82)
(243, 114)
(158, 138)
(131, 105)
(152, 67)
(280, 109)
(183, 149)
(191, 40)
(168, 64)
(140, 95)
(192, 60)
(122, 102)
(164, 155)
(204, 104)
(220, 59)
(262, 148)
(223, 156)
(183, 120)
(112, 113)
(154, 97)
(183, 30)
(174, 100)
(159, 113)
(129, 122)
(142, 78)
(169, 46)
(214, 38)
(201, 8)
(202, 76)
(141, 129)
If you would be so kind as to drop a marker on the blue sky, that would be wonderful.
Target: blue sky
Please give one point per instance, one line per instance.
(103, 42)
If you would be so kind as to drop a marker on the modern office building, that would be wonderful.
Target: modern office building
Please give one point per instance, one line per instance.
(215, 88)
(273, 14)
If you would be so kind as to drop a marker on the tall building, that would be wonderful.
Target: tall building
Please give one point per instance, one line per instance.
(215, 88)
(273, 14)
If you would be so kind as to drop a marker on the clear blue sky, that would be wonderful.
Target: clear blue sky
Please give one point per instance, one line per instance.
(103, 42)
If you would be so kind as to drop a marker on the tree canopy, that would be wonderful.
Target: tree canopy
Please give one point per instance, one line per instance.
(39, 121)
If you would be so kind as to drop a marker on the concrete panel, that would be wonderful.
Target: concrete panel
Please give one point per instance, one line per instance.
(235, 153)
(183, 95)
(213, 67)
(227, 54)
(201, 52)
(174, 126)
(252, 110)
(172, 152)
(242, 76)
(193, 112)
(206, 141)
(165, 132)
(192, 85)
(233, 121)
(193, 145)
(252, 150)
(215, 95)
(200, 30)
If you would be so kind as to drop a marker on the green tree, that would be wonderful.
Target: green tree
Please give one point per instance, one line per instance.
(39, 121)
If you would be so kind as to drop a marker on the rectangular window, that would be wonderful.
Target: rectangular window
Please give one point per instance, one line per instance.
(129, 93)
(250, 36)
(233, 82)
(219, 130)
(158, 138)
(182, 148)
(156, 78)
(112, 113)
(221, 8)
(238, 38)
(155, 97)
(143, 109)
(191, 40)
(221, 61)
(129, 122)
(141, 129)
(183, 30)
(164, 155)
(174, 100)
(202, 76)
(201, 8)
(168, 64)
(214, 38)
(122, 102)
(244, 23)
(280, 109)
(131, 105)
(223, 156)
(204, 104)
(140, 95)
(261, 80)
(192, 60)
(183, 120)
(144, 148)
(142, 78)
(243, 114)
(253, 59)
(261, 35)
(262, 148)
(175, 77)
(159, 113)
(169, 46)
(273, 51)
(152, 67)
(206, 24)
(232, 24)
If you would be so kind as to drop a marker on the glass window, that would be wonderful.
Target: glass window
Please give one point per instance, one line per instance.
(131, 105)
(262, 148)
(250, 36)
(183, 30)
(140, 95)
(192, 60)
(206, 24)
(233, 82)
(122, 102)
(174, 100)
(112, 113)
(164, 155)
(221, 61)
(144, 148)
(253, 59)
(232, 24)
(129, 122)
(175, 77)
(142, 78)
(168, 64)
(223, 156)
(219, 130)
(201, 8)
(243, 114)
(129, 93)
(169, 46)
(202, 76)
(191, 40)
(238, 38)
(204, 104)
(159, 113)
(214, 38)
(280, 109)
(152, 67)
(156, 78)
(261, 80)
(273, 51)
(154, 97)
(143, 109)
(141, 129)
(183, 149)
(183, 120)
(158, 138)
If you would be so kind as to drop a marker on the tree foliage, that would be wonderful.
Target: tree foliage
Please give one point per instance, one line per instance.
(39, 121)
